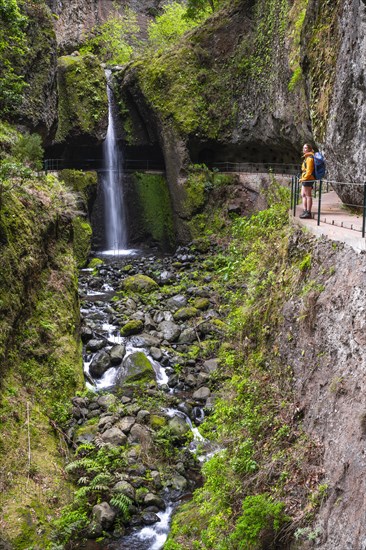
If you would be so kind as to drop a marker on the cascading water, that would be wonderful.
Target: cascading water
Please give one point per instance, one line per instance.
(114, 209)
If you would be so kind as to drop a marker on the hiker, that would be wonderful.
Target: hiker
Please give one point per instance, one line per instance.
(307, 180)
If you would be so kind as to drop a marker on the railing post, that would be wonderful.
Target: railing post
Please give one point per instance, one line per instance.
(292, 193)
(296, 193)
(319, 200)
(364, 210)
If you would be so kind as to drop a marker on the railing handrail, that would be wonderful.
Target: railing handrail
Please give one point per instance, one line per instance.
(295, 188)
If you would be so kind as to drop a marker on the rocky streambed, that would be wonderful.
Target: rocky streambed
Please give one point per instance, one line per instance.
(150, 332)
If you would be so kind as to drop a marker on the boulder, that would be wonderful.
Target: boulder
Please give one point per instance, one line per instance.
(170, 331)
(187, 336)
(185, 313)
(95, 345)
(149, 518)
(177, 302)
(126, 424)
(136, 368)
(210, 365)
(100, 363)
(139, 284)
(107, 401)
(178, 426)
(156, 353)
(133, 326)
(145, 340)
(114, 436)
(103, 515)
(117, 353)
(154, 500)
(202, 394)
(125, 488)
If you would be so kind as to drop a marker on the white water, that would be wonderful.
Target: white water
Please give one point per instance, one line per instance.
(114, 211)
(158, 533)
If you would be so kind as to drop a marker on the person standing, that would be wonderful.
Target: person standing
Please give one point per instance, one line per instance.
(307, 180)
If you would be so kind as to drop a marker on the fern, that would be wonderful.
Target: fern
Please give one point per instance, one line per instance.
(103, 479)
(87, 464)
(83, 481)
(84, 448)
(122, 502)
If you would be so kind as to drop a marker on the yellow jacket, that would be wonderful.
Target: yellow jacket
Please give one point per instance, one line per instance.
(307, 168)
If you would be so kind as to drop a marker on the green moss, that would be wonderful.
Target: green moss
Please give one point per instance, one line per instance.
(94, 262)
(155, 208)
(82, 240)
(198, 89)
(84, 183)
(201, 303)
(132, 327)
(39, 349)
(157, 422)
(185, 313)
(9, 136)
(83, 102)
(139, 284)
(40, 62)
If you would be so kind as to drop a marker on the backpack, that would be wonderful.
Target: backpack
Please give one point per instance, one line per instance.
(319, 166)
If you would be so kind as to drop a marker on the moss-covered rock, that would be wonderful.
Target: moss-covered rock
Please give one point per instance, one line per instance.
(137, 369)
(185, 313)
(153, 217)
(201, 303)
(139, 284)
(132, 327)
(94, 262)
(83, 102)
(156, 421)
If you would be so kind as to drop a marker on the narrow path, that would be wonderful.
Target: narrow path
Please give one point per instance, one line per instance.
(336, 223)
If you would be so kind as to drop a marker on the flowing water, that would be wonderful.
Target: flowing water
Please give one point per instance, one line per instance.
(114, 208)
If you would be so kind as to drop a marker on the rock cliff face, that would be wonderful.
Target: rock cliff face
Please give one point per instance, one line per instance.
(226, 93)
(334, 65)
(345, 142)
(76, 18)
(325, 342)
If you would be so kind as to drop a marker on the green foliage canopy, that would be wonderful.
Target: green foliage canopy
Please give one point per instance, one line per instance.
(172, 24)
(113, 41)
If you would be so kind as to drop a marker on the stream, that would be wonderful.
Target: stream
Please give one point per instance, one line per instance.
(164, 337)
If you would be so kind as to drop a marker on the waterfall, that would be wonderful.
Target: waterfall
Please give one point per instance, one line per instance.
(114, 210)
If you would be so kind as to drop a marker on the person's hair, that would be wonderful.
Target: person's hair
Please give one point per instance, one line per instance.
(309, 146)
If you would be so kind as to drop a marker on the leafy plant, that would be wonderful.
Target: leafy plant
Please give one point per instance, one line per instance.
(171, 25)
(29, 150)
(260, 512)
(113, 41)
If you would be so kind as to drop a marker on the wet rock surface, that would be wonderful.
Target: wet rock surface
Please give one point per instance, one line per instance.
(148, 391)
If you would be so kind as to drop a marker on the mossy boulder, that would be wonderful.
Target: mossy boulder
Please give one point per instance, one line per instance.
(157, 422)
(201, 303)
(94, 262)
(139, 284)
(136, 369)
(83, 101)
(132, 327)
(185, 313)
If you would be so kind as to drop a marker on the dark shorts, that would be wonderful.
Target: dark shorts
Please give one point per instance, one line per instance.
(308, 183)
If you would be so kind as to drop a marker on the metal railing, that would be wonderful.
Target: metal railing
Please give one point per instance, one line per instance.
(323, 186)
(55, 165)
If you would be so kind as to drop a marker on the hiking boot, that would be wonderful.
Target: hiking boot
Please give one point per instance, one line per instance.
(306, 215)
